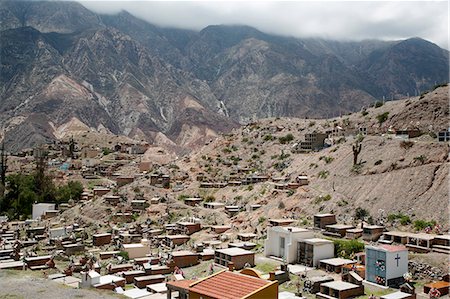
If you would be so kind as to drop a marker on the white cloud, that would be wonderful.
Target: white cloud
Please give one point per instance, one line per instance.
(349, 20)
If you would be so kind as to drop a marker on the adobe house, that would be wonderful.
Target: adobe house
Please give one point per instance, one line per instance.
(139, 204)
(124, 180)
(185, 258)
(441, 244)
(142, 281)
(136, 250)
(213, 205)
(120, 268)
(101, 239)
(160, 180)
(282, 242)
(311, 251)
(107, 254)
(322, 220)
(386, 264)
(302, 180)
(339, 290)
(354, 233)
(193, 201)
(281, 222)
(335, 264)
(372, 233)
(337, 230)
(188, 228)
(100, 191)
(246, 236)
(175, 240)
(239, 257)
(217, 284)
(130, 275)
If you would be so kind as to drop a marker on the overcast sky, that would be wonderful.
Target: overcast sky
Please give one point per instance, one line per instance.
(351, 20)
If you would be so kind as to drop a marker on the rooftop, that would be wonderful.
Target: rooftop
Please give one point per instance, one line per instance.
(389, 248)
(318, 241)
(229, 285)
(340, 226)
(234, 251)
(337, 261)
(396, 295)
(339, 285)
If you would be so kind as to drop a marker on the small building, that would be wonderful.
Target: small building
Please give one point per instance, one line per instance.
(386, 264)
(185, 258)
(322, 220)
(239, 257)
(281, 222)
(394, 237)
(340, 290)
(335, 264)
(130, 275)
(175, 240)
(100, 191)
(337, 230)
(160, 180)
(251, 286)
(399, 295)
(441, 244)
(112, 199)
(39, 209)
(311, 251)
(372, 233)
(442, 286)
(282, 242)
(420, 243)
(408, 133)
(142, 281)
(188, 228)
(136, 250)
(219, 229)
(193, 201)
(354, 233)
(213, 205)
(246, 236)
(101, 239)
(313, 141)
(124, 180)
(139, 204)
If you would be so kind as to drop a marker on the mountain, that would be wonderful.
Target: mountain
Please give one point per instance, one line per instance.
(61, 61)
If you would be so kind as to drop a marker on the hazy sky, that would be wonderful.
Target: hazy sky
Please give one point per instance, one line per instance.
(349, 20)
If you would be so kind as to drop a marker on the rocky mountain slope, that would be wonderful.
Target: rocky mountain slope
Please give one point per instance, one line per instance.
(60, 60)
(393, 176)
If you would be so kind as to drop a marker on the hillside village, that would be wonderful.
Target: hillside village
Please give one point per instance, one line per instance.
(350, 207)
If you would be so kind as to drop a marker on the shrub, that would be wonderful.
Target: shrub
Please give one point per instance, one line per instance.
(290, 192)
(210, 198)
(382, 117)
(421, 159)
(268, 137)
(324, 174)
(357, 168)
(406, 144)
(361, 213)
(364, 113)
(281, 205)
(286, 139)
(422, 224)
(328, 160)
(378, 162)
(124, 254)
(261, 219)
(347, 248)
(378, 104)
(404, 219)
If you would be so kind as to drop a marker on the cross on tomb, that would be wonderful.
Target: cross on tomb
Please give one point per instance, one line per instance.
(397, 258)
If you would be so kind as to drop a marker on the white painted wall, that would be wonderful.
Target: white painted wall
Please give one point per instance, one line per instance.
(272, 243)
(392, 271)
(40, 208)
(321, 252)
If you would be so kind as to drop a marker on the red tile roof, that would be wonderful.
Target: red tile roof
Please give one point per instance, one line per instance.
(182, 284)
(228, 285)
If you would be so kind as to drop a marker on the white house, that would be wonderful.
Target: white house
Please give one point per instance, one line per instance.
(282, 241)
(311, 251)
(386, 264)
(39, 209)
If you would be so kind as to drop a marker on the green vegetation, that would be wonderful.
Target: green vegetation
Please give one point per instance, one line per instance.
(361, 213)
(347, 248)
(322, 198)
(268, 137)
(23, 190)
(323, 174)
(261, 220)
(286, 139)
(406, 144)
(422, 224)
(210, 198)
(382, 117)
(404, 219)
(327, 159)
(290, 192)
(378, 104)
(124, 254)
(421, 159)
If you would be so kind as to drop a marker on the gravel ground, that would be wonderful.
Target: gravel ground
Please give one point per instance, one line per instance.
(19, 284)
